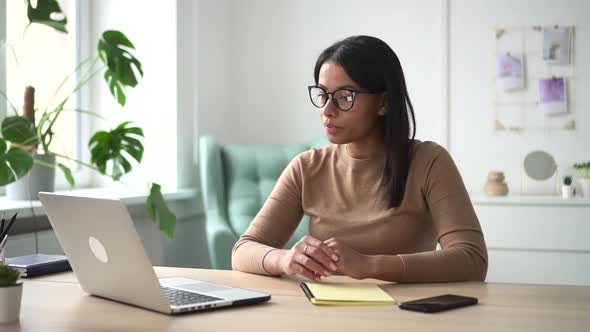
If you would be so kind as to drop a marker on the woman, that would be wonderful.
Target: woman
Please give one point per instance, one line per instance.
(378, 199)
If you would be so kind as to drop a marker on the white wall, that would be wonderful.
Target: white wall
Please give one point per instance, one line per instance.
(256, 58)
(211, 42)
(476, 148)
(186, 83)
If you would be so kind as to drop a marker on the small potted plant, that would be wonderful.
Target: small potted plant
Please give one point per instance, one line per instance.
(567, 190)
(583, 175)
(11, 291)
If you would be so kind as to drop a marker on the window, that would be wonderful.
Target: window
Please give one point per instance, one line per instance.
(42, 57)
(2, 57)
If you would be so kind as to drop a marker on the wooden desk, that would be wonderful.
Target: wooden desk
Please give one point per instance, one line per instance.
(57, 303)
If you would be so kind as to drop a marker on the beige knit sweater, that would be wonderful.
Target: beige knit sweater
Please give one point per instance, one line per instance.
(344, 199)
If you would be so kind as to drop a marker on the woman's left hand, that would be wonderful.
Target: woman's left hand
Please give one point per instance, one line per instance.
(351, 262)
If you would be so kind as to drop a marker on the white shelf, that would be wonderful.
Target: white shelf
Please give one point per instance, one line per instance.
(30, 208)
(530, 200)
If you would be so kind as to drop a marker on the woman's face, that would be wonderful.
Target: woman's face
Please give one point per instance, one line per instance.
(362, 122)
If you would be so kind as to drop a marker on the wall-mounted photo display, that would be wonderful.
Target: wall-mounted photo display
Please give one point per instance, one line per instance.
(534, 78)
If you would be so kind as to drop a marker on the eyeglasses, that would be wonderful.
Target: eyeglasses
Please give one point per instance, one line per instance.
(343, 99)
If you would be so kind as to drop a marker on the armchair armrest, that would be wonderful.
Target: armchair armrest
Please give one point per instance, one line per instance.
(221, 239)
(220, 236)
(212, 180)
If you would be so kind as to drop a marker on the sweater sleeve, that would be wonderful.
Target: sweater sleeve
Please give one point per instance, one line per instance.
(463, 256)
(274, 224)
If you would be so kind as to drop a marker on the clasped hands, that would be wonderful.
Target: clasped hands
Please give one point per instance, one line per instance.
(314, 259)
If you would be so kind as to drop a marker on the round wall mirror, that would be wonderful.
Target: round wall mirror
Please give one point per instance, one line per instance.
(539, 165)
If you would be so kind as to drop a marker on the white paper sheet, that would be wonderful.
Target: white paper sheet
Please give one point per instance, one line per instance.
(557, 45)
(510, 72)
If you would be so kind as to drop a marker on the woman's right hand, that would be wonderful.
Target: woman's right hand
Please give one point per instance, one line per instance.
(309, 257)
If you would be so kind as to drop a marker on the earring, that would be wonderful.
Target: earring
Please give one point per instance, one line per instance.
(382, 111)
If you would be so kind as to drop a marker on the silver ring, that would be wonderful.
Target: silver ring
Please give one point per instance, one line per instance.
(305, 249)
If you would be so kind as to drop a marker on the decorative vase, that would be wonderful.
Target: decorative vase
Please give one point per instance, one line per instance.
(40, 178)
(585, 184)
(567, 192)
(495, 185)
(10, 299)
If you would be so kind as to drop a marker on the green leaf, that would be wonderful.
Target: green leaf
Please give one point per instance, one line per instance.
(68, 174)
(14, 164)
(156, 208)
(135, 130)
(126, 165)
(114, 148)
(113, 49)
(20, 161)
(48, 13)
(135, 152)
(19, 130)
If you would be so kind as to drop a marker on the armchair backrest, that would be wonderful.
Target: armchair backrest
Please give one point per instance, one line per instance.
(251, 173)
(236, 180)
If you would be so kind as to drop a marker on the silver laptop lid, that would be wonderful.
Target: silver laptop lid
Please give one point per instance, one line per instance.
(104, 249)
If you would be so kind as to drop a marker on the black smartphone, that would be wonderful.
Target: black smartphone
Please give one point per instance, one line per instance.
(439, 303)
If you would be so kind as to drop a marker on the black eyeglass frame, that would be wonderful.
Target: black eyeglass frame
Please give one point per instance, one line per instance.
(352, 91)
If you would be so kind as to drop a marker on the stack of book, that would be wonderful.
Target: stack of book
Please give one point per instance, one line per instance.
(39, 264)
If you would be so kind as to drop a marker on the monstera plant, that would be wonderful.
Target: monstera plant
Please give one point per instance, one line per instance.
(30, 131)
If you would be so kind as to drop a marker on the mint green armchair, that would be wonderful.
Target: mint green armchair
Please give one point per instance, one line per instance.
(236, 179)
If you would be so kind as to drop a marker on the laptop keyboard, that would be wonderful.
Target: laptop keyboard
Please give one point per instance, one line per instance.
(179, 297)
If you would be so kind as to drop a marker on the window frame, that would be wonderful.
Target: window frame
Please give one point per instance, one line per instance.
(3, 56)
(3, 103)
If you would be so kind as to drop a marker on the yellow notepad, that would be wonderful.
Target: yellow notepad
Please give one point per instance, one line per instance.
(345, 294)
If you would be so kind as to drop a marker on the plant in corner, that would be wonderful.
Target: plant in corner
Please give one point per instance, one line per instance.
(583, 175)
(10, 294)
(583, 169)
(26, 137)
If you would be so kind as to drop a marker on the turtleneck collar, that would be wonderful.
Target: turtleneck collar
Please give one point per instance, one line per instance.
(359, 163)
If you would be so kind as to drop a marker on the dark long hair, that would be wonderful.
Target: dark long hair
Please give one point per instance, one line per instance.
(374, 66)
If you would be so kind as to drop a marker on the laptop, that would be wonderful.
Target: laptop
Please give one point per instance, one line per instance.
(109, 260)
